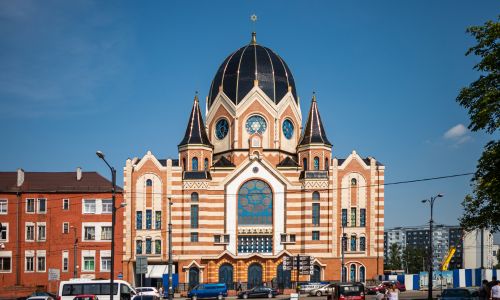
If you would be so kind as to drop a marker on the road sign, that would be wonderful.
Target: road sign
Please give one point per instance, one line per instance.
(120, 275)
(141, 265)
(54, 274)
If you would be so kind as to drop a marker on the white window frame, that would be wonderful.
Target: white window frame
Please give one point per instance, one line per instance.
(39, 255)
(38, 235)
(87, 207)
(65, 203)
(7, 255)
(38, 200)
(4, 206)
(65, 227)
(32, 200)
(103, 233)
(26, 225)
(106, 206)
(65, 261)
(87, 258)
(29, 254)
(105, 264)
(6, 232)
(85, 233)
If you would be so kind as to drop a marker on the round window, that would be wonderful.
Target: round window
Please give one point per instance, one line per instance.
(288, 129)
(256, 124)
(221, 129)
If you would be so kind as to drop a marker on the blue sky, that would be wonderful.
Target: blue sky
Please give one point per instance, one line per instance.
(120, 76)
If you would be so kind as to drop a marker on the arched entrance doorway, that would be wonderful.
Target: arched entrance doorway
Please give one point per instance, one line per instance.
(316, 275)
(226, 275)
(254, 275)
(284, 278)
(194, 277)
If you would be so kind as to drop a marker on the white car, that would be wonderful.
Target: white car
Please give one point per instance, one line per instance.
(40, 298)
(147, 291)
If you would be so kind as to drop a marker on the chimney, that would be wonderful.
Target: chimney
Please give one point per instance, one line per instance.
(20, 177)
(78, 174)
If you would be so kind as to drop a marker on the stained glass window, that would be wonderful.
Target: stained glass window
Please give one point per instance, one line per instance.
(353, 273)
(138, 247)
(304, 163)
(158, 219)
(362, 243)
(138, 220)
(194, 164)
(149, 217)
(288, 129)
(316, 163)
(221, 129)
(157, 247)
(362, 217)
(353, 243)
(194, 216)
(362, 274)
(256, 124)
(255, 203)
(353, 217)
(344, 217)
(315, 214)
(148, 246)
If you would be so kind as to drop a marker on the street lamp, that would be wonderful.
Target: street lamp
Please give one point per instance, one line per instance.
(113, 221)
(431, 253)
(75, 244)
(170, 288)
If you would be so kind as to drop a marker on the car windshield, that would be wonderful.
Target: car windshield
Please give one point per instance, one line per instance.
(456, 293)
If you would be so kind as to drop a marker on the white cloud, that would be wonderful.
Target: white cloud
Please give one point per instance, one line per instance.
(457, 132)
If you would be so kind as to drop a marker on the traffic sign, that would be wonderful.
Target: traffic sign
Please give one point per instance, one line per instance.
(141, 265)
(54, 274)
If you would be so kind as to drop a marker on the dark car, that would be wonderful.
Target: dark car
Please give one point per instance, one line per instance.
(385, 285)
(258, 292)
(458, 294)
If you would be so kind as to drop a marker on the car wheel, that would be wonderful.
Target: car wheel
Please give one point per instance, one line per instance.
(219, 297)
(194, 297)
(245, 296)
(270, 295)
(318, 293)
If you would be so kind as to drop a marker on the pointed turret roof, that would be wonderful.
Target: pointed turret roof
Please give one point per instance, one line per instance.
(314, 132)
(195, 131)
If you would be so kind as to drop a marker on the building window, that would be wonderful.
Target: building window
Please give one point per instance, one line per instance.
(65, 227)
(344, 217)
(362, 274)
(106, 233)
(354, 181)
(283, 237)
(89, 206)
(107, 206)
(194, 237)
(105, 264)
(157, 219)
(194, 164)
(158, 247)
(149, 182)
(42, 205)
(194, 216)
(315, 196)
(65, 204)
(30, 232)
(89, 233)
(362, 217)
(353, 273)
(304, 163)
(315, 214)
(353, 217)
(194, 197)
(3, 206)
(184, 164)
(88, 263)
(30, 205)
(326, 164)
(149, 217)
(315, 235)
(138, 247)
(205, 164)
(292, 238)
(5, 264)
(138, 219)
(41, 234)
(148, 246)
(362, 243)
(65, 264)
(29, 264)
(316, 163)
(40, 263)
(353, 243)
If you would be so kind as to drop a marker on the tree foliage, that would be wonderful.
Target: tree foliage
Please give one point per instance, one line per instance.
(482, 99)
(415, 259)
(394, 260)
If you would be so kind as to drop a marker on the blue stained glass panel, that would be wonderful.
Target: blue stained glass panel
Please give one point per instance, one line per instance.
(288, 129)
(255, 203)
(221, 129)
(149, 217)
(256, 124)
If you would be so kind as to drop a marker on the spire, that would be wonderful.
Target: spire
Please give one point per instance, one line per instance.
(195, 131)
(314, 132)
(253, 41)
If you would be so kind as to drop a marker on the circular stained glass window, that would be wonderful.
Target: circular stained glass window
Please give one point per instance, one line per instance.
(288, 129)
(221, 128)
(255, 203)
(256, 124)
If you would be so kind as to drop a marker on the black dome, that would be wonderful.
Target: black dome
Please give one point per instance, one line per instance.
(252, 62)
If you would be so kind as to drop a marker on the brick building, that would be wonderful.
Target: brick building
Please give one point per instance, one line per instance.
(254, 185)
(49, 215)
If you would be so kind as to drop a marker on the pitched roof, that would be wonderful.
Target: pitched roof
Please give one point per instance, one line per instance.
(195, 131)
(288, 162)
(56, 182)
(223, 162)
(314, 132)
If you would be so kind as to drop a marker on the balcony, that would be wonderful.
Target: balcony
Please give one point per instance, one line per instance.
(313, 175)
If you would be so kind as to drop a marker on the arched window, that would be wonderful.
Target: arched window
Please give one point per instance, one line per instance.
(184, 167)
(205, 165)
(254, 275)
(149, 182)
(194, 197)
(353, 273)
(362, 243)
(316, 163)
(226, 275)
(362, 274)
(326, 164)
(353, 243)
(194, 164)
(284, 277)
(354, 181)
(255, 203)
(316, 196)
(304, 163)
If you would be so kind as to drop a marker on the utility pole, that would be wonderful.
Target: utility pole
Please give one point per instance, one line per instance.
(75, 245)
(170, 288)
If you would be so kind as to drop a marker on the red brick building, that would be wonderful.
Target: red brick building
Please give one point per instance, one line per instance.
(47, 216)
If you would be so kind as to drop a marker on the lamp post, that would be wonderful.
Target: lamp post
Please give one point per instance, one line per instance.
(75, 244)
(113, 221)
(431, 253)
(170, 288)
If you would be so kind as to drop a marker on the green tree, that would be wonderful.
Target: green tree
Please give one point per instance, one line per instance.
(482, 99)
(414, 259)
(394, 259)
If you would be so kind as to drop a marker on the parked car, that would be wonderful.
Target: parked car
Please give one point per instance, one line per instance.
(86, 297)
(258, 292)
(306, 288)
(208, 290)
(40, 298)
(326, 289)
(458, 294)
(348, 290)
(147, 291)
(146, 297)
(382, 287)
